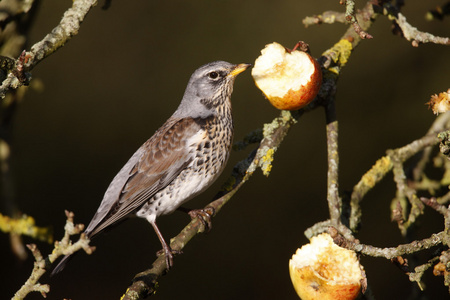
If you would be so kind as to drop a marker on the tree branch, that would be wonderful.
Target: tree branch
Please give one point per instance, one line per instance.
(327, 17)
(334, 201)
(41, 265)
(416, 36)
(60, 35)
(385, 164)
(410, 32)
(388, 253)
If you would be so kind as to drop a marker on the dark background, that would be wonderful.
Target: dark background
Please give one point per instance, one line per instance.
(115, 83)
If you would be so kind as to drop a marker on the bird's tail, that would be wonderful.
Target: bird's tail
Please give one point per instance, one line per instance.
(61, 265)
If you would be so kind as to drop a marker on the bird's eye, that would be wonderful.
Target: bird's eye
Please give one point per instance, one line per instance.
(213, 75)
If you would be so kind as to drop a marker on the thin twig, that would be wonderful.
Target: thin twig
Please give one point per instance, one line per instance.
(327, 17)
(350, 16)
(443, 210)
(403, 190)
(440, 124)
(416, 276)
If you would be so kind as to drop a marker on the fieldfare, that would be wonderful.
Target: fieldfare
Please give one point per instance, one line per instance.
(182, 159)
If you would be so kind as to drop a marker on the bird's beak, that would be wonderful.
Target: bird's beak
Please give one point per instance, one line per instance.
(239, 69)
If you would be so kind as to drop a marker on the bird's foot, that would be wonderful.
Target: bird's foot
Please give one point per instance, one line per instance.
(203, 215)
(169, 254)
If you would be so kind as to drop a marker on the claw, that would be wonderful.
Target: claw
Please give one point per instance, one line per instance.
(203, 215)
(169, 254)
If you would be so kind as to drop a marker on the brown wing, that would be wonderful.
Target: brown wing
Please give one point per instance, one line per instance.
(154, 165)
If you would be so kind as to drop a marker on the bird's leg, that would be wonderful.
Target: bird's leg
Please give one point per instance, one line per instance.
(168, 252)
(204, 215)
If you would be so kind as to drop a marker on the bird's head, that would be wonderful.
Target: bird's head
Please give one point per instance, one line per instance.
(210, 85)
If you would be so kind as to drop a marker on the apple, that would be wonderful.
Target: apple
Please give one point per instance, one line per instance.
(290, 80)
(323, 270)
(440, 103)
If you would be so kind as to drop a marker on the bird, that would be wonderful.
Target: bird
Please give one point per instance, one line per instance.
(181, 160)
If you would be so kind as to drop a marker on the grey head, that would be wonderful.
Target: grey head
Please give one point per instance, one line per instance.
(210, 86)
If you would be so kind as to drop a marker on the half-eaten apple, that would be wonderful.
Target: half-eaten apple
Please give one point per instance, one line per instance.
(289, 79)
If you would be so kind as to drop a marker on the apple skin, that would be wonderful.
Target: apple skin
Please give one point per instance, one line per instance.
(290, 80)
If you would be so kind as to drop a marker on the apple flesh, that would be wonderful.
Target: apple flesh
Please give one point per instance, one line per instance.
(290, 80)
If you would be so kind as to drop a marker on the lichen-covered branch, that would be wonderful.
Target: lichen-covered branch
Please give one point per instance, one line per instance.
(410, 32)
(334, 200)
(365, 184)
(416, 36)
(32, 284)
(385, 164)
(67, 28)
(25, 225)
(416, 275)
(388, 253)
(395, 254)
(350, 16)
(443, 210)
(404, 190)
(327, 17)
(41, 264)
(325, 226)
(59, 36)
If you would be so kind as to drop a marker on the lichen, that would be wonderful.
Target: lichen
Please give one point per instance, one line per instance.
(339, 53)
(444, 145)
(269, 128)
(266, 161)
(381, 167)
(25, 226)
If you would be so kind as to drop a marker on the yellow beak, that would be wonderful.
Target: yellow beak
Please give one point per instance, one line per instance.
(239, 69)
